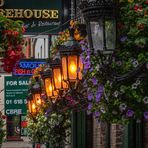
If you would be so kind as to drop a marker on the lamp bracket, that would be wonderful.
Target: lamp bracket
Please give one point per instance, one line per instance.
(137, 72)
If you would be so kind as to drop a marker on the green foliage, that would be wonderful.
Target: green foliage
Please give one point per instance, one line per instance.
(50, 125)
(120, 102)
(10, 32)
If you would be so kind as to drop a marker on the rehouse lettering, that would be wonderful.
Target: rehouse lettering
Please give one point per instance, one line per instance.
(30, 13)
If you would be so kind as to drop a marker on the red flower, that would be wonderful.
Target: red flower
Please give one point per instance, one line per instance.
(136, 7)
(146, 2)
(140, 8)
(4, 117)
(15, 33)
(141, 26)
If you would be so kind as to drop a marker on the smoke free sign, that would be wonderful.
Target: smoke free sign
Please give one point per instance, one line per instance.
(16, 89)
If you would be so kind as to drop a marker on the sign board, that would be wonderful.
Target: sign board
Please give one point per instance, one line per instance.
(16, 91)
(23, 126)
(38, 16)
(26, 67)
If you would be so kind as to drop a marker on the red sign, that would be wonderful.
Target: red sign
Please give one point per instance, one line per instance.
(26, 67)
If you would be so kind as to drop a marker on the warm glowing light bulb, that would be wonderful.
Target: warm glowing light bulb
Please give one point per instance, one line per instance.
(72, 68)
(33, 106)
(59, 78)
(38, 101)
(50, 88)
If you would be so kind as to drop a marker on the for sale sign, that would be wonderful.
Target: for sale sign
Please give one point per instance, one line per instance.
(16, 89)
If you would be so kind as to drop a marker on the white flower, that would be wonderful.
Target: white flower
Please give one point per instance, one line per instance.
(135, 63)
(98, 67)
(134, 86)
(102, 109)
(145, 99)
(122, 107)
(116, 93)
(138, 82)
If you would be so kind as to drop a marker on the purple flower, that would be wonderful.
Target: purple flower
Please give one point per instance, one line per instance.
(98, 96)
(97, 114)
(94, 81)
(146, 115)
(85, 83)
(86, 65)
(90, 96)
(47, 112)
(101, 88)
(82, 42)
(123, 38)
(130, 113)
(89, 107)
(82, 58)
(87, 58)
(91, 69)
(84, 71)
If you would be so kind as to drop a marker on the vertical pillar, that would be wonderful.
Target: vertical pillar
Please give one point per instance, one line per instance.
(99, 134)
(116, 137)
(82, 130)
(145, 133)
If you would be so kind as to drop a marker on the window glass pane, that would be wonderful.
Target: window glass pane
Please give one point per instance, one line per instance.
(110, 34)
(97, 35)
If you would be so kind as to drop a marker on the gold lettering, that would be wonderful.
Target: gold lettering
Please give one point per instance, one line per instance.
(54, 14)
(46, 14)
(2, 12)
(28, 13)
(9, 13)
(37, 13)
(1, 3)
(18, 13)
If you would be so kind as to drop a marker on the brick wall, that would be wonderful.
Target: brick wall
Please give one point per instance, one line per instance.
(116, 136)
(99, 134)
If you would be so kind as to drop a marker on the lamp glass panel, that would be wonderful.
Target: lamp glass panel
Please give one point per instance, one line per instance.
(110, 33)
(64, 85)
(48, 86)
(38, 99)
(72, 67)
(57, 78)
(29, 106)
(97, 34)
(80, 69)
(33, 107)
(55, 92)
(64, 68)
